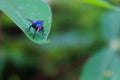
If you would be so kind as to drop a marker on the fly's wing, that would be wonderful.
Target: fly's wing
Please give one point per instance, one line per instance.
(30, 20)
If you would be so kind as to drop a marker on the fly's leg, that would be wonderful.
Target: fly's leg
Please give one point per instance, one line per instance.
(34, 35)
(28, 29)
(43, 32)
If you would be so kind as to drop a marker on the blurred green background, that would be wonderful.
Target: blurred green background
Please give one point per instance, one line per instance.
(74, 37)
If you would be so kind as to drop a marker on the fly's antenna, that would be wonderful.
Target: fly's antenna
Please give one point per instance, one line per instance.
(30, 20)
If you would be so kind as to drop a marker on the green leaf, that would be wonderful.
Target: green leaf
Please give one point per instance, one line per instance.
(111, 25)
(102, 66)
(99, 3)
(19, 10)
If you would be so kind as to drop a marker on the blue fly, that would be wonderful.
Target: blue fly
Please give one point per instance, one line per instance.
(37, 25)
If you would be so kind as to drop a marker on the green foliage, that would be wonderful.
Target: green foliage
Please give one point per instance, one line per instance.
(2, 61)
(78, 31)
(110, 24)
(19, 10)
(102, 66)
(100, 3)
